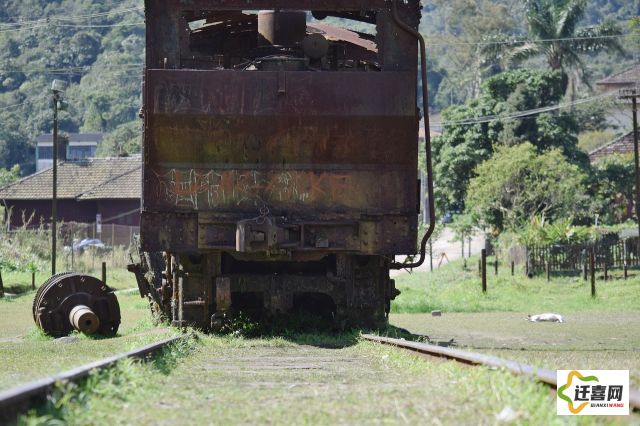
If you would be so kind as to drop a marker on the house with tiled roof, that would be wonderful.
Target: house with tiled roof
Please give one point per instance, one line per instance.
(622, 80)
(622, 145)
(110, 187)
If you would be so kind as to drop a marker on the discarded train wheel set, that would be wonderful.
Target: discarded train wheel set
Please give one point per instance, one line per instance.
(71, 301)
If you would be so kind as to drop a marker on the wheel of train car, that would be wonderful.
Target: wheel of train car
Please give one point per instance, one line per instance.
(71, 301)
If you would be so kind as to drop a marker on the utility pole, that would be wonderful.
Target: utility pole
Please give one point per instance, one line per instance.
(57, 88)
(632, 94)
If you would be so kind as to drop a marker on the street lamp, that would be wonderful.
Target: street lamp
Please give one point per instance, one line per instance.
(57, 89)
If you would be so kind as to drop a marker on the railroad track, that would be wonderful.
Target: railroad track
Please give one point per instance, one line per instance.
(23, 397)
(548, 377)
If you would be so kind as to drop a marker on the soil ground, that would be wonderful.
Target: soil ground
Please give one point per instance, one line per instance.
(288, 381)
(589, 340)
(319, 379)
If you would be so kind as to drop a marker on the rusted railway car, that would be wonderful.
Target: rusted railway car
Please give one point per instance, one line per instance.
(280, 157)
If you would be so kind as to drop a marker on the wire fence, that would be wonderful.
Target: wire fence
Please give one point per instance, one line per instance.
(82, 247)
(610, 252)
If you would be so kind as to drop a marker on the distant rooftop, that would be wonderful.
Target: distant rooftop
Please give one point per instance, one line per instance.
(626, 78)
(95, 178)
(73, 137)
(620, 145)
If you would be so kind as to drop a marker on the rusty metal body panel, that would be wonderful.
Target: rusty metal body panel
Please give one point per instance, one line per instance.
(302, 145)
(283, 156)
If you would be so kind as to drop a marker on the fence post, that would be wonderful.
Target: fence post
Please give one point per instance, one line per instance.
(592, 267)
(626, 270)
(1, 285)
(104, 272)
(33, 281)
(480, 267)
(430, 255)
(495, 266)
(585, 269)
(548, 270)
(606, 271)
(513, 268)
(483, 268)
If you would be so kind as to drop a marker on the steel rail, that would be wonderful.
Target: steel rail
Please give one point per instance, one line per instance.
(20, 398)
(542, 375)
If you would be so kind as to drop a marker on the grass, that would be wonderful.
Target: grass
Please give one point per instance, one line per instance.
(18, 282)
(450, 289)
(600, 341)
(276, 380)
(27, 354)
(329, 379)
(598, 333)
(69, 402)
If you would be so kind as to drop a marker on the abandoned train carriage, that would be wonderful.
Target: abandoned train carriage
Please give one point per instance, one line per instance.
(280, 157)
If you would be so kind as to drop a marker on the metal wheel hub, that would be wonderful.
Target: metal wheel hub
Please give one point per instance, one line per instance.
(70, 301)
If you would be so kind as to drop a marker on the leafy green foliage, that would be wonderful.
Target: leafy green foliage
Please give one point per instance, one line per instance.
(467, 141)
(553, 25)
(455, 27)
(541, 232)
(613, 186)
(517, 183)
(124, 139)
(87, 43)
(9, 176)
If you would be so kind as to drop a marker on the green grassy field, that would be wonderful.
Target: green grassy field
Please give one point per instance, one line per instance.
(598, 333)
(27, 354)
(450, 289)
(20, 282)
(329, 379)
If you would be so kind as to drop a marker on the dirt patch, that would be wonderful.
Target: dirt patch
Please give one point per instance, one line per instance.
(16, 339)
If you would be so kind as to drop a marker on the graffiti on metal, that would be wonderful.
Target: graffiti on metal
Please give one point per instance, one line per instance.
(208, 189)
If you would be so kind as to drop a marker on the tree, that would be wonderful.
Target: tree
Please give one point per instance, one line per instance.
(473, 130)
(613, 183)
(124, 140)
(553, 26)
(9, 176)
(453, 29)
(518, 183)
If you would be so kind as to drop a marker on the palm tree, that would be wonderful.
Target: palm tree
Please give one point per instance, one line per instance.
(553, 33)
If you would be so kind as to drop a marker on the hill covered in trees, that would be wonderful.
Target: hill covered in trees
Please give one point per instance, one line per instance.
(98, 48)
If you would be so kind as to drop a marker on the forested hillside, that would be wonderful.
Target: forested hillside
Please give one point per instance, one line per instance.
(98, 47)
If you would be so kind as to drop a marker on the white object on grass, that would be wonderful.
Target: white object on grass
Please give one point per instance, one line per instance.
(545, 318)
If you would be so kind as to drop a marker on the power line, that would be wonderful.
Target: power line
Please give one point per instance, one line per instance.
(69, 18)
(521, 114)
(53, 24)
(135, 24)
(523, 41)
(70, 70)
(15, 105)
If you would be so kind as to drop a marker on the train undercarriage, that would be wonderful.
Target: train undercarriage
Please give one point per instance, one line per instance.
(204, 290)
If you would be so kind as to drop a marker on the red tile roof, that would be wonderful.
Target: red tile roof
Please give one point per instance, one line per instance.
(96, 178)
